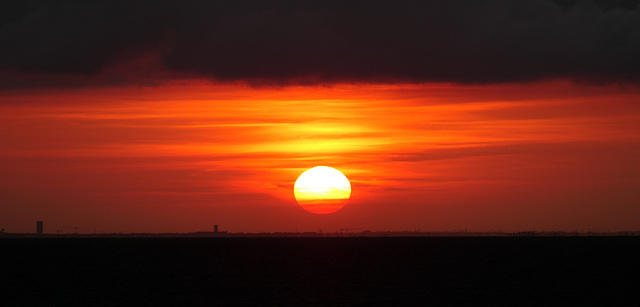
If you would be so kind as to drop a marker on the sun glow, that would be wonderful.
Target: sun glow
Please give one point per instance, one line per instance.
(322, 190)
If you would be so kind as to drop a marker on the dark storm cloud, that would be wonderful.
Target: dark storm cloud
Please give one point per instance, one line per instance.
(297, 41)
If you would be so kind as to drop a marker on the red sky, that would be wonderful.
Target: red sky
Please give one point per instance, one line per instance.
(184, 156)
(166, 116)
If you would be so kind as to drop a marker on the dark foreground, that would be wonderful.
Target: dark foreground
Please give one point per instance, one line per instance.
(519, 271)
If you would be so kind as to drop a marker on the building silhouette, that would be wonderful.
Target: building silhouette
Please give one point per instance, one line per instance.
(215, 228)
(39, 227)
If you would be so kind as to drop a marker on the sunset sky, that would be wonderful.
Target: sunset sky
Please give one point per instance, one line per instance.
(158, 116)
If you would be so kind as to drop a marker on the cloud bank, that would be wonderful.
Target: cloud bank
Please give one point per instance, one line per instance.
(307, 42)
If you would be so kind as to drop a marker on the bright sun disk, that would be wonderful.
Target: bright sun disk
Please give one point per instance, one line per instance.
(322, 190)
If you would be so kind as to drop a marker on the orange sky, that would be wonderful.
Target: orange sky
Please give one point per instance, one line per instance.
(186, 156)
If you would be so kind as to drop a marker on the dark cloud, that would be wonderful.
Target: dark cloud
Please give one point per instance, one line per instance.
(297, 41)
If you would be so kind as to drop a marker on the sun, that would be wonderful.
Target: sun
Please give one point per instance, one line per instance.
(322, 190)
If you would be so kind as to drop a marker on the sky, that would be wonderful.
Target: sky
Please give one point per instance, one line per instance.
(158, 116)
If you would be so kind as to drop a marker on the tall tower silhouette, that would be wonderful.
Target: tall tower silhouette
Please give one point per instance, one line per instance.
(39, 227)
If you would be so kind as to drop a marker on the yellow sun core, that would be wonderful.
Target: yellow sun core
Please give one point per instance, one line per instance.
(322, 190)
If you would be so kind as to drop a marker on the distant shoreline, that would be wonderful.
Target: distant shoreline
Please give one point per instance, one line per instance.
(374, 234)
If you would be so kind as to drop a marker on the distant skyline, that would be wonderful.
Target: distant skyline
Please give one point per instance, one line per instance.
(153, 116)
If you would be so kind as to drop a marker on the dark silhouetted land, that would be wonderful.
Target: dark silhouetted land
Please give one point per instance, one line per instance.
(366, 233)
(331, 271)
